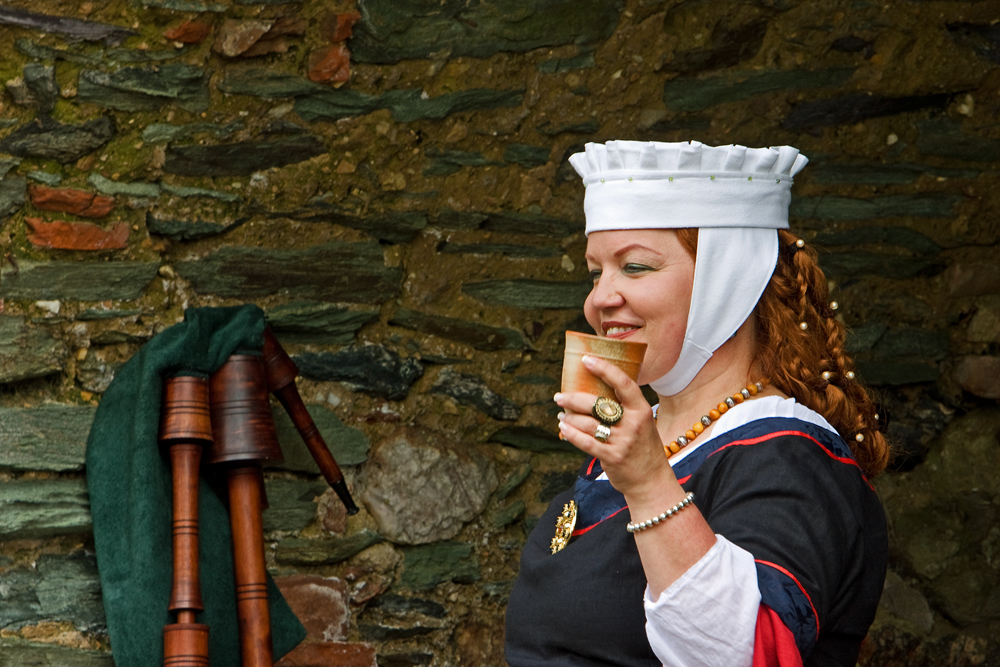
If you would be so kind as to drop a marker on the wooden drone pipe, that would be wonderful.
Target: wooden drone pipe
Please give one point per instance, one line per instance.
(245, 437)
(281, 371)
(185, 426)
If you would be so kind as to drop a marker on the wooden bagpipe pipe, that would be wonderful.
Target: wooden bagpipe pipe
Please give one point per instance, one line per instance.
(229, 416)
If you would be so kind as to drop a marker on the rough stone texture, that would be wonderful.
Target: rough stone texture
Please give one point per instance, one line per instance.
(12, 194)
(321, 603)
(427, 566)
(531, 438)
(236, 37)
(167, 132)
(349, 446)
(189, 32)
(85, 281)
(479, 336)
(77, 235)
(317, 322)
(331, 65)
(471, 390)
(372, 369)
(19, 653)
(46, 138)
(48, 437)
(96, 372)
(979, 375)
(146, 89)
(348, 272)
(133, 189)
(37, 88)
(421, 488)
(322, 654)
(291, 503)
(187, 230)
(240, 158)
(327, 551)
(393, 227)
(985, 324)
(57, 588)
(339, 27)
(69, 200)
(27, 351)
(698, 94)
(856, 108)
(523, 293)
(33, 509)
(71, 27)
(844, 208)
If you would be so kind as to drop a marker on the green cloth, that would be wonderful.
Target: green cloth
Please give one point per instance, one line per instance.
(131, 499)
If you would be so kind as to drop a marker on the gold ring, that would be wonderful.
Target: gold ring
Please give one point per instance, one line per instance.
(602, 433)
(607, 410)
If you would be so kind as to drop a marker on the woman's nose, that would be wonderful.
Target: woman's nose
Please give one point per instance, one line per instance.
(604, 295)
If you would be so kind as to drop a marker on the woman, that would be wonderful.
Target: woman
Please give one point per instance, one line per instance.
(735, 524)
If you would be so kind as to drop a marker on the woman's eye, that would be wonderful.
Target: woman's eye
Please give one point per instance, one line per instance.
(595, 274)
(635, 268)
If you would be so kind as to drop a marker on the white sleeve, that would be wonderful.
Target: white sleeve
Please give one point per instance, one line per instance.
(709, 615)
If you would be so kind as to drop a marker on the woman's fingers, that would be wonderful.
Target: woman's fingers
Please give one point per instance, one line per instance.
(625, 387)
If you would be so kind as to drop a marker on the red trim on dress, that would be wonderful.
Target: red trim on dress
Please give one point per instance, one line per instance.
(774, 644)
(581, 531)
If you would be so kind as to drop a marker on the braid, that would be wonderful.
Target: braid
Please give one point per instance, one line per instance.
(801, 350)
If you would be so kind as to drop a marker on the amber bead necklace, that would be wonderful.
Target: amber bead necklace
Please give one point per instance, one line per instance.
(706, 420)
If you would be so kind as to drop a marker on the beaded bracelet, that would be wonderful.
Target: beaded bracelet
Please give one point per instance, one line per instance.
(649, 523)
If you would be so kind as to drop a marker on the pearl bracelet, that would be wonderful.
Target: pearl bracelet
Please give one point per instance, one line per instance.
(649, 523)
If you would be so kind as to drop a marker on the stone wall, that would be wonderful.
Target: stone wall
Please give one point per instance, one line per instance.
(388, 180)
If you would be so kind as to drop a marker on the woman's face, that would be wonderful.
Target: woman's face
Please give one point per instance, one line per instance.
(642, 292)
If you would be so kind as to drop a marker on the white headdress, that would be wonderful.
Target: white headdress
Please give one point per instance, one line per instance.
(736, 196)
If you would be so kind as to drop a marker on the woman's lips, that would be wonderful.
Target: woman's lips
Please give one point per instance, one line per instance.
(619, 331)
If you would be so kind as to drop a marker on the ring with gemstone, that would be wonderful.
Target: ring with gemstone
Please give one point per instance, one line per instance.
(602, 433)
(607, 410)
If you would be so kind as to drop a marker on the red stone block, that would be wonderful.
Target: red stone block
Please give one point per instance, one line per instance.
(326, 654)
(339, 27)
(330, 65)
(321, 604)
(189, 32)
(237, 36)
(76, 235)
(67, 200)
(979, 375)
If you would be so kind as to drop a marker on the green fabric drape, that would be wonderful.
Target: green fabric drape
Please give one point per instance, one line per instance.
(128, 477)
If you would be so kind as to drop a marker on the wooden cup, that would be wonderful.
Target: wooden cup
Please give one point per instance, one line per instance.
(625, 355)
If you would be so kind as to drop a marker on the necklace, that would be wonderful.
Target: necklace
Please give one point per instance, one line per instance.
(706, 420)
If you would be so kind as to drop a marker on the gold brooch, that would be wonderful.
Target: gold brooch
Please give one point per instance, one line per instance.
(565, 523)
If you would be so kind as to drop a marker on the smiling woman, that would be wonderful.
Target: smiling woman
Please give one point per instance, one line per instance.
(734, 524)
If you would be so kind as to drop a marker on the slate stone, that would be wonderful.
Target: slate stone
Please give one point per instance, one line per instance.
(511, 222)
(851, 109)
(402, 606)
(37, 88)
(374, 632)
(331, 105)
(983, 38)
(325, 551)
(445, 162)
(389, 226)
(335, 271)
(146, 89)
(526, 155)
(349, 446)
(135, 189)
(12, 194)
(452, 219)
(20, 653)
(508, 249)
(852, 44)
(187, 230)
(425, 567)
(49, 437)
(532, 439)
(45, 177)
(8, 163)
(945, 138)
(729, 46)
(186, 5)
(26, 351)
(92, 314)
(37, 509)
(267, 83)
(509, 514)
(95, 373)
(471, 390)
(554, 483)
(291, 503)
(562, 65)
(241, 158)
(882, 235)
(899, 267)
(59, 588)
(90, 31)
(77, 281)
(524, 293)
(411, 105)
(684, 94)
(184, 191)
(46, 138)
(136, 56)
(390, 31)
(404, 659)
(372, 369)
(833, 207)
(479, 336)
(911, 342)
(881, 174)
(157, 132)
(586, 127)
(318, 322)
(897, 373)
(421, 487)
(33, 50)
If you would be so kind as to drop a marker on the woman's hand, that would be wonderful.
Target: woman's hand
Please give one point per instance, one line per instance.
(633, 454)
